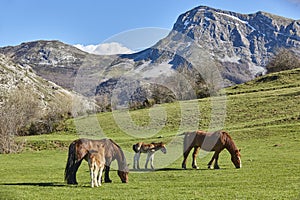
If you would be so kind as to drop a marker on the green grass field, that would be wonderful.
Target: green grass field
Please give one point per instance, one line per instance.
(262, 116)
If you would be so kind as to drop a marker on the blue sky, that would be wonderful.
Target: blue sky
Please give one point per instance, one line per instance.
(94, 21)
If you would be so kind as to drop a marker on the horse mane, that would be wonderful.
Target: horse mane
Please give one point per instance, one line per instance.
(114, 143)
(229, 143)
(123, 161)
(118, 147)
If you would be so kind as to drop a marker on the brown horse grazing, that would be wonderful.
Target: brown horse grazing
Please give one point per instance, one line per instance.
(150, 149)
(96, 161)
(215, 141)
(79, 149)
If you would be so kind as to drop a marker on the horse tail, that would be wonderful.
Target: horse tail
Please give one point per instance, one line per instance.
(188, 140)
(185, 143)
(70, 167)
(136, 148)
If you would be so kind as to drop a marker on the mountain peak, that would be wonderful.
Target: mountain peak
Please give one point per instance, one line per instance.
(240, 45)
(239, 38)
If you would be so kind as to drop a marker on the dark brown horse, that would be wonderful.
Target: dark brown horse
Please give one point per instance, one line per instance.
(216, 141)
(79, 149)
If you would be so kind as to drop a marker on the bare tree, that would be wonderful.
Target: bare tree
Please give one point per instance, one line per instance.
(16, 111)
(284, 59)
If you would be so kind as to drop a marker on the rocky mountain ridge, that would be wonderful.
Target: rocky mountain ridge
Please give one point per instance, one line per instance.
(207, 49)
(46, 93)
(239, 40)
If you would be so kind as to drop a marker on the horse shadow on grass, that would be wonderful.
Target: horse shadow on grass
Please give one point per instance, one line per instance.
(170, 169)
(188, 169)
(50, 184)
(155, 170)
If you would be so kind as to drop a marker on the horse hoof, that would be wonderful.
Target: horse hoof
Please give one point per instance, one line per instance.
(72, 183)
(195, 167)
(108, 181)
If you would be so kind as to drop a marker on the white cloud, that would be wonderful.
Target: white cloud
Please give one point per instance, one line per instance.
(105, 48)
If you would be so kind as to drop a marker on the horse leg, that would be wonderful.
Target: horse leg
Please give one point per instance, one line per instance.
(215, 157)
(74, 171)
(195, 153)
(136, 160)
(96, 171)
(216, 166)
(106, 175)
(100, 174)
(107, 168)
(92, 177)
(185, 155)
(91, 172)
(147, 160)
(211, 161)
(151, 160)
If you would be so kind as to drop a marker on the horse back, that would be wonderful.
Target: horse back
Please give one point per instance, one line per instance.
(144, 148)
(208, 141)
(83, 146)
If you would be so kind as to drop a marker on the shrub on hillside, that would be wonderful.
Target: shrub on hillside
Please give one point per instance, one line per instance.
(284, 59)
(17, 110)
(23, 113)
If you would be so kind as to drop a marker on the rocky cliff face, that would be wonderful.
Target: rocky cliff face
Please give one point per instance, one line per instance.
(243, 44)
(206, 49)
(60, 63)
(204, 40)
(52, 60)
(14, 76)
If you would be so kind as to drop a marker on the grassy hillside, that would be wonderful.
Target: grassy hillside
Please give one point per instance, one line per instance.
(266, 102)
(262, 116)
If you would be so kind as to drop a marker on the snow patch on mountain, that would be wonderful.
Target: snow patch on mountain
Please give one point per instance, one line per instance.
(148, 70)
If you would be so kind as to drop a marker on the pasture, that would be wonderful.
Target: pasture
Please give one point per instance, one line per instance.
(262, 116)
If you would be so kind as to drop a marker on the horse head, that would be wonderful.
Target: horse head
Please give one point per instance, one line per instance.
(123, 174)
(236, 159)
(163, 148)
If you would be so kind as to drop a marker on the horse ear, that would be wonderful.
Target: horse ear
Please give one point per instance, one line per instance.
(240, 150)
